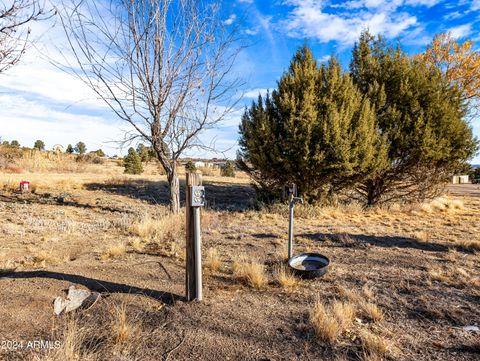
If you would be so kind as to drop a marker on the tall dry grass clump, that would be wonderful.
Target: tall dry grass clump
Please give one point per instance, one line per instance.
(374, 347)
(330, 321)
(442, 204)
(250, 271)
(73, 345)
(114, 251)
(326, 326)
(285, 277)
(123, 328)
(371, 311)
(169, 227)
(212, 259)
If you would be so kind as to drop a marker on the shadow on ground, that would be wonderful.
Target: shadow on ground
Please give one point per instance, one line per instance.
(221, 196)
(97, 285)
(352, 240)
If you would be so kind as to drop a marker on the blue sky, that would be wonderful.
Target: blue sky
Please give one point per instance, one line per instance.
(38, 101)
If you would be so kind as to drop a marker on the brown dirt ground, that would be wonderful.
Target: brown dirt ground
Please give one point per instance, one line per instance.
(393, 252)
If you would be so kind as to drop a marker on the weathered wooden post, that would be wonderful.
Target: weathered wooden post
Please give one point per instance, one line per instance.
(195, 198)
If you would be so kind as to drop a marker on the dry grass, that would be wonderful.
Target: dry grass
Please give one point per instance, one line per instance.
(438, 275)
(344, 312)
(250, 271)
(442, 204)
(212, 259)
(368, 292)
(332, 320)
(137, 245)
(43, 258)
(349, 294)
(113, 251)
(71, 346)
(285, 277)
(472, 246)
(123, 328)
(325, 324)
(169, 227)
(374, 347)
(371, 311)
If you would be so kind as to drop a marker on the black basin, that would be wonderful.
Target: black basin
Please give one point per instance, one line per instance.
(309, 265)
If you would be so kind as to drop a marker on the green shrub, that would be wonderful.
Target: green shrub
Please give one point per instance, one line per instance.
(228, 170)
(132, 162)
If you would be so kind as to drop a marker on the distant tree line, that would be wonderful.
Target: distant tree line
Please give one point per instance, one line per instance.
(392, 128)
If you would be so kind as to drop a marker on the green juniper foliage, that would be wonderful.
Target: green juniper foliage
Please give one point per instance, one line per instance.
(422, 116)
(80, 148)
(132, 162)
(391, 129)
(227, 169)
(69, 149)
(39, 145)
(190, 167)
(316, 130)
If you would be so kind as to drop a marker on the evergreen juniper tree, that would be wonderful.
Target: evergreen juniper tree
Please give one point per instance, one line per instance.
(80, 148)
(39, 145)
(190, 167)
(132, 162)
(69, 149)
(227, 170)
(316, 130)
(422, 116)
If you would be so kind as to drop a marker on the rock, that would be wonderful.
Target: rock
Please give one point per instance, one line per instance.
(76, 298)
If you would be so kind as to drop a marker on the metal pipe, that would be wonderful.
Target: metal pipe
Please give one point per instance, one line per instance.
(290, 229)
(198, 254)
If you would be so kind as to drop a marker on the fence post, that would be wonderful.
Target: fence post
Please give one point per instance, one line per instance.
(195, 198)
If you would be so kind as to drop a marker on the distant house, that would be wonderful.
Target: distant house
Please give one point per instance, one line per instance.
(57, 148)
(199, 164)
(460, 179)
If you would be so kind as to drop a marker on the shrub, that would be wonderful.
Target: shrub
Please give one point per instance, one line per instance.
(132, 162)
(228, 170)
(39, 145)
(80, 148)
(190, 167)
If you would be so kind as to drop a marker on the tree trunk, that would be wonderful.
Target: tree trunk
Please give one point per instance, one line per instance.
(174, 185)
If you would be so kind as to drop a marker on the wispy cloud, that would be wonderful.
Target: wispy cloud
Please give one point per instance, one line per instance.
(461, 31)
(230, 20)
(253, 93)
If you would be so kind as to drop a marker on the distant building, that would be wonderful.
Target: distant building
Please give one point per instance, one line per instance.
(460, 179)
(199, 164)
(57, 148)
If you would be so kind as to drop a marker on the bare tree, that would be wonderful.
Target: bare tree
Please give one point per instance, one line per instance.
(14, 36)
(160, 65)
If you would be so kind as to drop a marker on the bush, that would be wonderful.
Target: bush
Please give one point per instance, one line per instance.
(39, 145)
(228, 170)
(132, 162)
(80, 148)
(190, 167)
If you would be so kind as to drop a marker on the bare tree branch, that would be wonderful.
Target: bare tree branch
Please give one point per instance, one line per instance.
(14, 35)
(163, 66)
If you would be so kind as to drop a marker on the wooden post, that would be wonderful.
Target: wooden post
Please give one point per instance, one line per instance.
(193, 282)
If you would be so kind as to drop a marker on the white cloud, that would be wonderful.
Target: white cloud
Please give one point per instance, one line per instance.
(319, 20)
(453, 15)
(461, 31)
(475, 5)
(253, 93)
(29, 120)
(230, 20)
